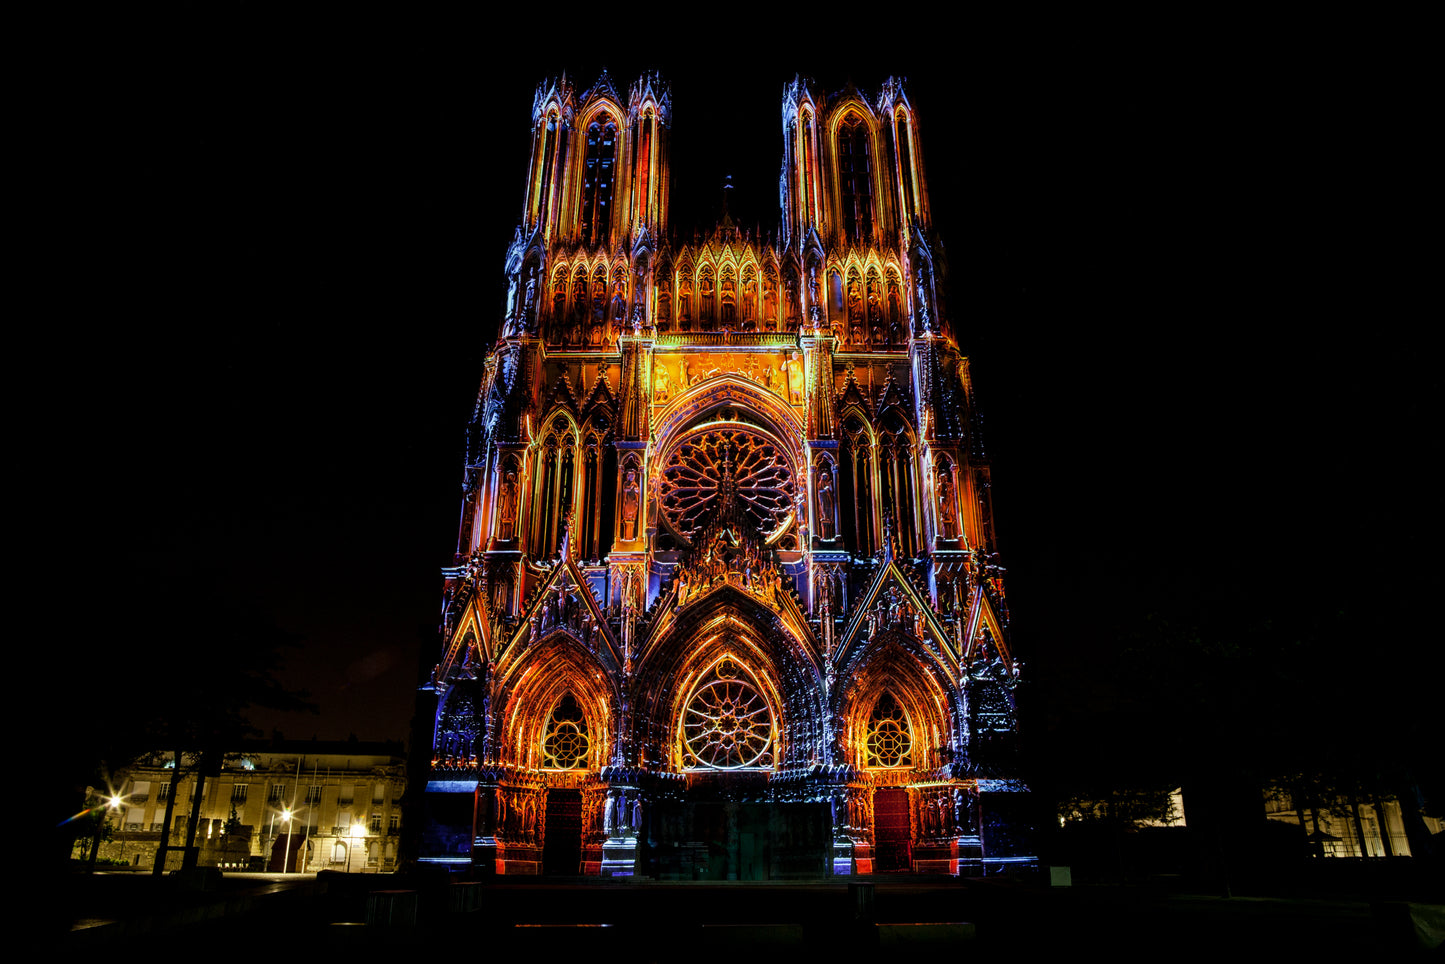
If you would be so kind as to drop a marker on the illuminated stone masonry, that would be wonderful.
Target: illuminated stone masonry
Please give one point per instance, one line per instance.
(725, 602)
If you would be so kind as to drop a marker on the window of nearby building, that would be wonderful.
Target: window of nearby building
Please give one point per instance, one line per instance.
(378, 793)
(338, 853)
(238, 792)
(163, 791)
(395, 822)
(275, 795)
(313, 794)
(376, 823)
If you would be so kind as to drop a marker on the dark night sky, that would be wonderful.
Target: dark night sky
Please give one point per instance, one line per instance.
(1157, 266)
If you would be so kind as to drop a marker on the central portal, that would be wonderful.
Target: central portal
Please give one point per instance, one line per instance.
(724, 840)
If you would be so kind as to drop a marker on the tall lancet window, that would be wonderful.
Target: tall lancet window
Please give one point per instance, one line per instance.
(597, 181)
(809, 172)
(544, 180)
(642, 164)
(905, 164)
(855, 178)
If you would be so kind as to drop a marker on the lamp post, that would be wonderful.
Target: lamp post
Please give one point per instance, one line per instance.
(286, 819)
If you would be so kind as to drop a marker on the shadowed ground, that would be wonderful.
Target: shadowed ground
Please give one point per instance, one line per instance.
(649, 921)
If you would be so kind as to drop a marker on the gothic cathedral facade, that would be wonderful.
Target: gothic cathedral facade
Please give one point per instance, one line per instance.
(725, 600)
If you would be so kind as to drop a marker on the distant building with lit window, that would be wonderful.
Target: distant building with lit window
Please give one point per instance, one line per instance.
(320, 806)
(1348, 828)
(726, 599)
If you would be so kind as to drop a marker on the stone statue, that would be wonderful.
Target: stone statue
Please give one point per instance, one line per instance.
(947, 506)
(529, 300)
(629, 506)
(922, 296)
(825, 503)
(507, 508)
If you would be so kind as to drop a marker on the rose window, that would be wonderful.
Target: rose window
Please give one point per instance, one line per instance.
(889, 744)
(727, 724)
(735, 467)
(565, 745)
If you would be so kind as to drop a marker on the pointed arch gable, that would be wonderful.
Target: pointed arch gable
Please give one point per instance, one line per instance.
(530, 688)
(942, 650)
(728, 623)
(983, 614)
(567, 576)
(471, 624)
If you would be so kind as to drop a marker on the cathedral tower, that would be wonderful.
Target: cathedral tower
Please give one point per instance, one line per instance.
(726, 561)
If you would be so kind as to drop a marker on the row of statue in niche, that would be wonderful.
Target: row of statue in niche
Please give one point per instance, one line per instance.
(875, 314)
(725, 311)
(785, 378)
(517, 815)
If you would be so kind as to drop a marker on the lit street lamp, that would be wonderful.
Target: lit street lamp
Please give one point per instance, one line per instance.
(357, 834)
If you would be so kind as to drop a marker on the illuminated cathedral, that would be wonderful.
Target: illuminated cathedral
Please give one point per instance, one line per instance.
(725, 601)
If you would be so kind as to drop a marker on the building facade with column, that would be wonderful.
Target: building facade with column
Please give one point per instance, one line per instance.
(300, 805)
(726, 599)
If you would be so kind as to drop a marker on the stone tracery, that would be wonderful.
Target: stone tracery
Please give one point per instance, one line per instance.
(727, 723)
(727, 465)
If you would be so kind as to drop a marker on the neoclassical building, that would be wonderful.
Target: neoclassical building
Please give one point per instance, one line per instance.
(299, 806)
(725, 600)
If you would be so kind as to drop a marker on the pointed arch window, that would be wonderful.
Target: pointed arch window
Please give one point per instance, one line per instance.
(597, 180)
(727, 724)
(809, 173)
(905, 163)
(857, 485)
(642, 162)
(889, 741)
(565, 741)
(855, 178)
(544, 181)
(555, 490)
